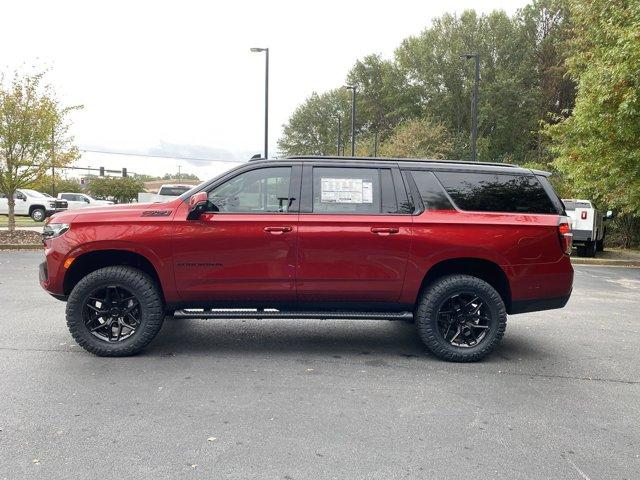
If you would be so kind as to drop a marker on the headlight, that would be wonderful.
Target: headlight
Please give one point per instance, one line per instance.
(52, 204)
(53, 230)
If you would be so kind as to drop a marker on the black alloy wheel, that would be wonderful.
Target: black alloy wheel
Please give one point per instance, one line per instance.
(112, 313)
(464, 320)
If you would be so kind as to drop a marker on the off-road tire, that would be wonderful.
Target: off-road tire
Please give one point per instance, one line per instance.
(141, 286)
(426, 317)
(38, 214)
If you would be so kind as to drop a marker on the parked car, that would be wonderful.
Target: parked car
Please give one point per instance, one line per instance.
(31, 203)
(165, 193)
(452, 246)
(587, 225)
(82, 200)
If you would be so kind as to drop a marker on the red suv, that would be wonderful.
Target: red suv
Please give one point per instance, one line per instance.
(451, 246)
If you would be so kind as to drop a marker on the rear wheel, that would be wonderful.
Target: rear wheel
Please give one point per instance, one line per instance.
(600, 245)
(590, 249)
(115, 311)
(461, 318)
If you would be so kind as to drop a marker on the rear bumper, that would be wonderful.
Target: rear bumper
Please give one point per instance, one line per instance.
(582, 236)
(524, 306)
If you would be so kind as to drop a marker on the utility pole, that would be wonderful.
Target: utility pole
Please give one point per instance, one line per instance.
(474, 105)
(353, 89)
(266, 99)
(339, 134)
(179, 176)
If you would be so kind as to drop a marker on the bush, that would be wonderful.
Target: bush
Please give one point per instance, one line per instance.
(122, 190)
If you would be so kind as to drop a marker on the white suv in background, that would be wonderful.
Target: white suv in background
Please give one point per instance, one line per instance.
(33, 204)
(81, 200)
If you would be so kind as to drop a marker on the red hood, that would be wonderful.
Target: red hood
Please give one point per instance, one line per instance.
(125, 209)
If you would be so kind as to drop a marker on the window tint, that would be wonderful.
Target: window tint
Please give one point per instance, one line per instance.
(431, 191)
(573, 204)
(265, 190)
(173, 191)
(496, 192)
(346, 190)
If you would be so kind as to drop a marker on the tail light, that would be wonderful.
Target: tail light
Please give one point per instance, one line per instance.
(583, 215)
(565, 235)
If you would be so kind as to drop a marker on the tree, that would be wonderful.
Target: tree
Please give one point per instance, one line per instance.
(46, 183)
(123, 190)
(418, 138)
(384, 97)
(598, 146)
(313, 127)
(33, 134)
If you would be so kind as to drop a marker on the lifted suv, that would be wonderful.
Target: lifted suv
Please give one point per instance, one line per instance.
(452, 246)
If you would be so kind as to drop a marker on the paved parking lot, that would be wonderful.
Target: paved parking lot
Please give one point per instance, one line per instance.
(323, 399)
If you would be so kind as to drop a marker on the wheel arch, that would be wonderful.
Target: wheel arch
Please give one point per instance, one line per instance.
(34, 207)
(481, 268)
(94, 260)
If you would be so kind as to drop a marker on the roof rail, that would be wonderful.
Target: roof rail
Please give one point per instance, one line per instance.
(391, 159)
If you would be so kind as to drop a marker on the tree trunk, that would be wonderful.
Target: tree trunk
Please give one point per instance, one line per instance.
(12, 218)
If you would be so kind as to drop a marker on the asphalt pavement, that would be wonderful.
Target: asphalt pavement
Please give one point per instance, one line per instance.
(286, 399)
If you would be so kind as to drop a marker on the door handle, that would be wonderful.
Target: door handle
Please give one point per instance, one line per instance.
(277, 230)
(384, 230)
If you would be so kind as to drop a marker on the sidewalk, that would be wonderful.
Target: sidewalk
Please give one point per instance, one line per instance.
(612, 257)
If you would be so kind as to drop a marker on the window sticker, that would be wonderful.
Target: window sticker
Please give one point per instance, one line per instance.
(346, 190)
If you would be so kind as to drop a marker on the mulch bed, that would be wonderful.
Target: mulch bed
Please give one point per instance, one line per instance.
(20, 237)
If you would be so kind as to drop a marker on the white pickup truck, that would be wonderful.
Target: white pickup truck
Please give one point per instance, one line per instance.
(30, 203)
(82, 200)
(587, 225)
(165, 193)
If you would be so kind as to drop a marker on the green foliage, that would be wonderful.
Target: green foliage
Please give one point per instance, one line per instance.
(598, 146)
(418, 138)
(122, 190)
(33, 134)
(313, 127)
(46, 184)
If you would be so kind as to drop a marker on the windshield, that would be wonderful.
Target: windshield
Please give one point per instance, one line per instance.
(33, 193)
(174, 191)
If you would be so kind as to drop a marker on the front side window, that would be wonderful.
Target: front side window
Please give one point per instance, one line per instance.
(490, 192)
(346, 190)
(265, 190)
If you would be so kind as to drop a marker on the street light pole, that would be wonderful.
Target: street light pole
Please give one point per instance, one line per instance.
(266, 99)
(339, 134)
(474, 105)
(353, 89)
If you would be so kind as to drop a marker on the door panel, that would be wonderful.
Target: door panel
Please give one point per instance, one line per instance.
(243, 251)
(236, 258)
(341, 259)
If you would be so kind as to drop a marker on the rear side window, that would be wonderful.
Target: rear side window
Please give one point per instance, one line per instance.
(346, 190)
(431, 192)
(489, 192)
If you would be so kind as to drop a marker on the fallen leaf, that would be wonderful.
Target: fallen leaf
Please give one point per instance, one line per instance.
(211, 439)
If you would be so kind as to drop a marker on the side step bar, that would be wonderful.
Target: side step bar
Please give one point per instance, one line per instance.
(319, 315)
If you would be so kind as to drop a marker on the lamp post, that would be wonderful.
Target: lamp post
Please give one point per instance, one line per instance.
(474, 104)
(339, 135)
(353, 89)
(266, 99)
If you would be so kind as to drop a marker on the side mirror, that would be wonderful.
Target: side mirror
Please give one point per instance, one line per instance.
(197, 205)
(609, 215)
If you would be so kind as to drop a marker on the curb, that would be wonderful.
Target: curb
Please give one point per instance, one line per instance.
(26, 246)
(605, 261)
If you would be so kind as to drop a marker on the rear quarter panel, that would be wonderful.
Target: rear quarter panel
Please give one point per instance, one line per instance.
(525, 246)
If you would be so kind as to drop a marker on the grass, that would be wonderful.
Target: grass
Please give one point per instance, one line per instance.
(20, 222)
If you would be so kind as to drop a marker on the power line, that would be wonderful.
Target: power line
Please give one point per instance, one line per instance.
(147, 155)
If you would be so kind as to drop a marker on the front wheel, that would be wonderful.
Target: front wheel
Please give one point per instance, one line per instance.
(38, 214)
(115, 311)
(461, 318)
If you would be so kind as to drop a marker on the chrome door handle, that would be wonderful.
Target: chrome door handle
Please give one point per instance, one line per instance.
(277, 230)
(384, 230)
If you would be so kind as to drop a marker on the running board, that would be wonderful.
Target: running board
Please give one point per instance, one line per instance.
(317, 315)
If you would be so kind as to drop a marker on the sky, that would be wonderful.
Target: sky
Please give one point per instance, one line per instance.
(177, 78)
